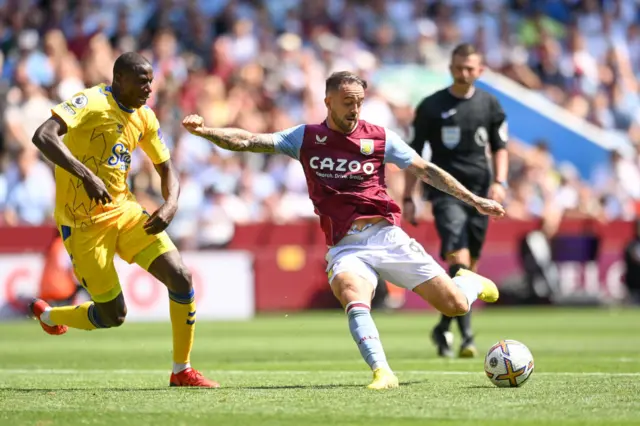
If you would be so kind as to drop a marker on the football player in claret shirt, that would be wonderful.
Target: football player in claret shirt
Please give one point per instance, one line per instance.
(344, 163)
(98, 216)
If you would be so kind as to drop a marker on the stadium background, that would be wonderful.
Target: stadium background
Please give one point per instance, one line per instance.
(566, 73)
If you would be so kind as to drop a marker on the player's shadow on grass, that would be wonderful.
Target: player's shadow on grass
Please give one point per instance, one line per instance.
(166, 388)
(334, 386)
(480, 387)
(36, 390)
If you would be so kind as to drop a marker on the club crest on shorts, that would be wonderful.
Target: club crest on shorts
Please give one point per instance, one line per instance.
(450, 136)
(366, 146)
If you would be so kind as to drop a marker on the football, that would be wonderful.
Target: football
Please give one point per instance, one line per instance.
(508, 363)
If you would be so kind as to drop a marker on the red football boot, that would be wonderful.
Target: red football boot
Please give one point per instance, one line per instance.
(37, 308)
(192, 378)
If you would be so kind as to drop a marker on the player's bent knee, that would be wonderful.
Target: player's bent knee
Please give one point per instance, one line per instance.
(179, 279)
(169, 269)
(456, 305)
(182, 279)
(181, 274)
(186, 274)
(112, 314)
(348, 287)
(116, 319)
(459, 306)
(441, 293)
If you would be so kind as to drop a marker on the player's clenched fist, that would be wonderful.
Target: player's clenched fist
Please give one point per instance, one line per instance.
(409, 211)
(489, 207)
(96, 189)
(194, 124)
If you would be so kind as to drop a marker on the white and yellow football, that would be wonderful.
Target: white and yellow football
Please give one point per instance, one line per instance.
(508, 363)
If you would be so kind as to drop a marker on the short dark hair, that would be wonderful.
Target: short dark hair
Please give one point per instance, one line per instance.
(127, 62)
(465, 49)
(339, 78)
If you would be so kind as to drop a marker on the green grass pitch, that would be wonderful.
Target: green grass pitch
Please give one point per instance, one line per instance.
(304, 369)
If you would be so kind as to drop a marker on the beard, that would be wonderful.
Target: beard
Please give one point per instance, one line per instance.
(344, 125)
(461, 81)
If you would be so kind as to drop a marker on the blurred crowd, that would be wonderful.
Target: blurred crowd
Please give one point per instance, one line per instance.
(261, 64)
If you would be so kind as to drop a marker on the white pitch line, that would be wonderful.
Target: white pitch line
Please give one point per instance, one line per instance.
(301, 372)
(438, 361)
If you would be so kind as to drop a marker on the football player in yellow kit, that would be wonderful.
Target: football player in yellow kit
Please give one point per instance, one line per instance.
(98, 216)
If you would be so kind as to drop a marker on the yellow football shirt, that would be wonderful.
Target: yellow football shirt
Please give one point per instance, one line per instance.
(102, 134)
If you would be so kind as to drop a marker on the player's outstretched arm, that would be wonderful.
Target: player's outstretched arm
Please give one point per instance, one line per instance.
(440, 179)
(47, 140)
(230, 138)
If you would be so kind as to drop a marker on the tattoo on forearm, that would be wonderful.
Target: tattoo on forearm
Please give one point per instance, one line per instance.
(443, 181)
(240, 140)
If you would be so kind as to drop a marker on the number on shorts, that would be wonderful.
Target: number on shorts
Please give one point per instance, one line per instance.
(415, 246)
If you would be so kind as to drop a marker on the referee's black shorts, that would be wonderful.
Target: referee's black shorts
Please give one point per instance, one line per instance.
(459, 225)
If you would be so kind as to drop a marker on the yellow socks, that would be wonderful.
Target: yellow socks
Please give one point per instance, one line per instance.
(182, 309)
(82, 317)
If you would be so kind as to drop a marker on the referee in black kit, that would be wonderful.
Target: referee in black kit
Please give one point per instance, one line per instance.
(460, 123)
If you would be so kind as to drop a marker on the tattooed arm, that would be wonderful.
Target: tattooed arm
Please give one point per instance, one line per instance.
(440, 179)
(229, 138)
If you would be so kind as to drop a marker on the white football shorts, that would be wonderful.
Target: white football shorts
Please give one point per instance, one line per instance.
(386, 251)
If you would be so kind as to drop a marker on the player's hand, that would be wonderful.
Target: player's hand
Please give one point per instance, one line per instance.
(96, 189)
(160, 220)
(409, 212)
(489, 207)
(194, 124)
(497, 192)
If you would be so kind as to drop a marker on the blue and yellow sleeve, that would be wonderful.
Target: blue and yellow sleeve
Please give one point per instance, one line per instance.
(152, 143)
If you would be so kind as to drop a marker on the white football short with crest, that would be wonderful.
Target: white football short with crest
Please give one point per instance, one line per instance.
(386, 251)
